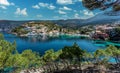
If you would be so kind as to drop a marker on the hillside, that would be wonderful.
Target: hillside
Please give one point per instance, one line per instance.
(46, 28)
(6, 25)
(104, 18)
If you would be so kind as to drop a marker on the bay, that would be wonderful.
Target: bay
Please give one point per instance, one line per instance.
(41, 46)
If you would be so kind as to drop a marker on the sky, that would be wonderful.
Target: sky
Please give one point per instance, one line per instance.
(44, 10)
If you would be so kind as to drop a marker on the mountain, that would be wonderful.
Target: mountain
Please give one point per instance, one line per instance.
(110, 17)
(72, 23)
(107, 17)
(6, 25)
(104, 18)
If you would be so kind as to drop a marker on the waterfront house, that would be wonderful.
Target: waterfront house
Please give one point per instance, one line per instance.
(100, 35)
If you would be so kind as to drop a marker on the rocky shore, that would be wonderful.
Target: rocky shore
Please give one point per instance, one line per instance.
(73, 69)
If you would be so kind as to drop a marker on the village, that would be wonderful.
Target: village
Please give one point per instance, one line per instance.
(97, 32)
(106, 32)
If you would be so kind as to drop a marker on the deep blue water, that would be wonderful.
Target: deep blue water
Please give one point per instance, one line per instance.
(41, 46)
(38, 45)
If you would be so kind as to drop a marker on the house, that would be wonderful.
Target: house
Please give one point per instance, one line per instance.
(100, 35)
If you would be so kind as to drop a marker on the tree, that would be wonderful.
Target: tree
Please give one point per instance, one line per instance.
(77, 52)
(1, 37)
(114, 52)
(49, 56)
(100, 56)
(49, 59)
(32, 57)
(101, 59)
(72, 54)
(10, 58)
(115, 34)
(102, 4)
(7, 51)
(88, 57)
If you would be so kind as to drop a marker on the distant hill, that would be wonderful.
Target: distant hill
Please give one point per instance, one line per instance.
(72, 23)
(104, 18)
(6, 25)
(107, 17)
(110, 17)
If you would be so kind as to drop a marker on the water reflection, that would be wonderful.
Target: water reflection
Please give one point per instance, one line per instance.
(47, 38)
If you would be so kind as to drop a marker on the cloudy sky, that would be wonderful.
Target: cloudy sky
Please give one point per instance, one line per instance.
(43, 10)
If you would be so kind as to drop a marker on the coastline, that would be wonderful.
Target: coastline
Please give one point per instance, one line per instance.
(58, 35)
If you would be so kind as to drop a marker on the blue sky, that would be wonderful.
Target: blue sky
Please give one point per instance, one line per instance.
(44, 10)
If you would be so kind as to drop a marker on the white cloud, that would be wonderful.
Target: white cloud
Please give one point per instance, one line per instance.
(21, 11)
(3, 7)
(65, 8)
(46, 5)
(36, 7)
(61, 12)
(43, 4)
(76, 15)
(51, 7)
(64, 2)
(88, 13)
(4, 2)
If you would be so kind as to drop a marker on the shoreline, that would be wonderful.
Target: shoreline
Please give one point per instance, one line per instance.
(62, 34)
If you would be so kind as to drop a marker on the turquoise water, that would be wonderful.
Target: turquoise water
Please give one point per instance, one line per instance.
(39, 45)
(106, 43)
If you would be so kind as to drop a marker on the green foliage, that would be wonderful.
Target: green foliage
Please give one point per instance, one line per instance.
(102, 4)
(99, 53)
(9, 57)
(1, 37)
(6, 50)
(116, 7)
(117, 30)
(32, 57)
(73, 52)
(116, 35)
(86, 30)
(113, 52)
(51, 55)
(20, 30)
(87, 57)
(102, 56)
